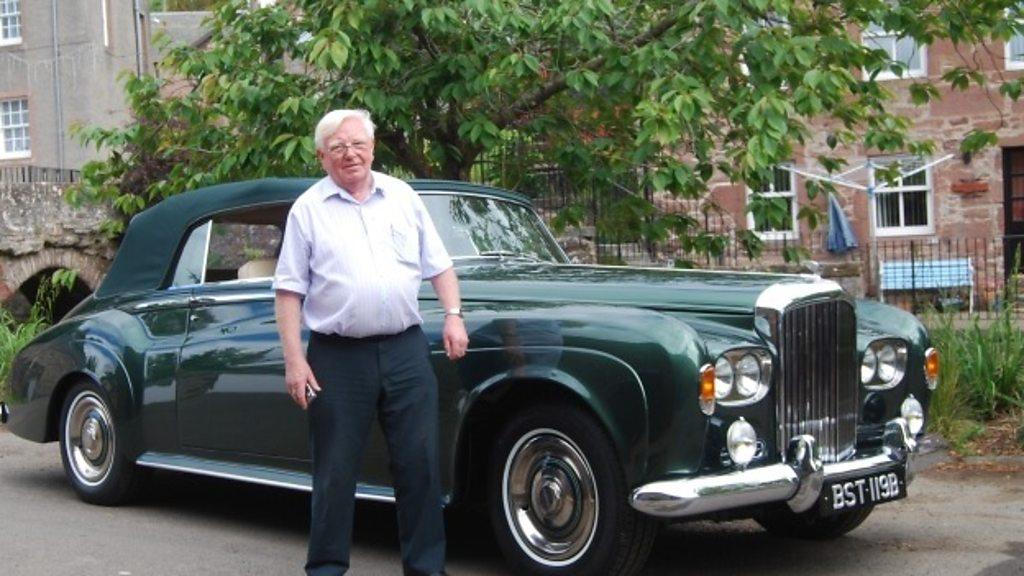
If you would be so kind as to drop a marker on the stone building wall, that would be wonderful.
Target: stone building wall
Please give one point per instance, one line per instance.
(40, 231)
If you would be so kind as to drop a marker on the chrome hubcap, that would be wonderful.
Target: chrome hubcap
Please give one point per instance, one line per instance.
(550, 497)
(89, 438)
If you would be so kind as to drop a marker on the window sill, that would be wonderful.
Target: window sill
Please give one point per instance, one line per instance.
(15, 155)
(6, 43)
(901, 232)
(889, 76)
(777, 236)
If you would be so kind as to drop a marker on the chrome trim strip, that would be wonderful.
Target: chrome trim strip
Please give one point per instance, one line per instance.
(214, 299)
(779, 297)
(161, 304)
(798, 484)
(151, 461)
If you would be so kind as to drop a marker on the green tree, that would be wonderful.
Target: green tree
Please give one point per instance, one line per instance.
(682, 89)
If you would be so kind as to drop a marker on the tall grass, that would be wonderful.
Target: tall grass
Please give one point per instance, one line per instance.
(982, 373)
(15, 334)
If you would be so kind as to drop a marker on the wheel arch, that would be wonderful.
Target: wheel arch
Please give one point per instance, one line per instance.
(100, 365)
(620, 410)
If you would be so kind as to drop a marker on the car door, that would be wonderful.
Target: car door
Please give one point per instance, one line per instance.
(231, 398)
(230, 395)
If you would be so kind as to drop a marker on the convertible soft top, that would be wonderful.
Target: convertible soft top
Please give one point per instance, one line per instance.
(154, 236)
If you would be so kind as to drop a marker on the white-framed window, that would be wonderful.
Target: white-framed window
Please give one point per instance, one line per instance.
(10, 22)
(1015, 52)
(14, 140)
(905, 207)
(781, 188)
(905, 50)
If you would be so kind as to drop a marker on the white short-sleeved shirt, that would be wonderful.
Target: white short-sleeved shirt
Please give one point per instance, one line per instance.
(359, 266)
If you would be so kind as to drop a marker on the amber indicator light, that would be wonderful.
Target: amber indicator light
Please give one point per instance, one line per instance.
(707, 383)
(931, 363)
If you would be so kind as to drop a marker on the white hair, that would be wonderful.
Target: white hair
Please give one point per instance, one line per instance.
(329, 124)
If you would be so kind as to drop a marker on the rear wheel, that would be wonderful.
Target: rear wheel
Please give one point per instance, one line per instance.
(558, 499)
(811, 525)
(90, 449)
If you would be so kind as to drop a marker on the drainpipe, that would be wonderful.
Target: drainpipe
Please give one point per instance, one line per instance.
(58, 97)
(137, 18)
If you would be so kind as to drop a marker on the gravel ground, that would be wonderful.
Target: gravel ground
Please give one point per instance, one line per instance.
(962, 517)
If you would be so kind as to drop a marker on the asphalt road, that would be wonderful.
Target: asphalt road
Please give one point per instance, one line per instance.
(955, 522)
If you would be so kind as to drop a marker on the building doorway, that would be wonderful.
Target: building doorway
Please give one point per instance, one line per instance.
(1013, 208)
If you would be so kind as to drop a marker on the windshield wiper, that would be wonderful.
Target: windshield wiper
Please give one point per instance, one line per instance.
(501, 254)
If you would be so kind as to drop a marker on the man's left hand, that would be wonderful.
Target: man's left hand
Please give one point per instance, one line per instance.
(455, 338)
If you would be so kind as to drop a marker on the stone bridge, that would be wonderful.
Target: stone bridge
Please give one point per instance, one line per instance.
(40, 233)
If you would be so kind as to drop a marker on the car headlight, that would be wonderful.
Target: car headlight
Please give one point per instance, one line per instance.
(868, 366)
(748, 375)
(884, 363)
(723, 378)
(742, 376)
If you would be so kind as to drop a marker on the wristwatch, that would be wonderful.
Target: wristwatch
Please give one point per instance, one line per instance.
(456, 311)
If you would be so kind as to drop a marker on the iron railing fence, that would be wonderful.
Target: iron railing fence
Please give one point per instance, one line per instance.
(951, 274)
(944, 273)
(33, 174)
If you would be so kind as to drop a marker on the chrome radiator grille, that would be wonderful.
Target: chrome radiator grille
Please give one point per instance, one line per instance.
(817, 387)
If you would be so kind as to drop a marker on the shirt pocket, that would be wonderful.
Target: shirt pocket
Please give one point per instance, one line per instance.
(406, 245)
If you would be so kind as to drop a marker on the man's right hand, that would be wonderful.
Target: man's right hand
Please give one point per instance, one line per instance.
(297, 375)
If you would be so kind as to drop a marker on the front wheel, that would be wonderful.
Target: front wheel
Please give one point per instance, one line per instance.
(90, 449)
(558, 499)
(811, 525)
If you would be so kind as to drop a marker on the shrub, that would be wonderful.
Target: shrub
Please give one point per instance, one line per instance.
(982, 372)
(14, 335)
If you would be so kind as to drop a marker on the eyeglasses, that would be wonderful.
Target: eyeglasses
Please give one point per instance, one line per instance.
(341, 148)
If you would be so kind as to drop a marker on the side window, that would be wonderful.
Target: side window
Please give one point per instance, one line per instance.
(240, 251)
(192, 261)
(232, 247)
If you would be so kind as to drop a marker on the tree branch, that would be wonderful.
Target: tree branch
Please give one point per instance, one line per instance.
(557, 83)
(412, 159)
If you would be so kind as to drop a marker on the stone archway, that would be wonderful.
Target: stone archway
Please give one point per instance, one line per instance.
(89, 267)
(40, 232)
(18, 273)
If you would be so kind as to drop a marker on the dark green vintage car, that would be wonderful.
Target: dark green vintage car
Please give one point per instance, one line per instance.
(593, 404)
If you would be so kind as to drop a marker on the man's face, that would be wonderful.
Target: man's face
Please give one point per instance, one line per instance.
(348, 155)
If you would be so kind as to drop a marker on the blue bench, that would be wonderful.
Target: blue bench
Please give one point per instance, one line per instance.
(927, 275)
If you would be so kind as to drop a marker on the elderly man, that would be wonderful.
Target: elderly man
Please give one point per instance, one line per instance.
(355, 250)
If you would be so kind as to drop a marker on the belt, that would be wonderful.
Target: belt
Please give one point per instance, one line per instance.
(338, 339)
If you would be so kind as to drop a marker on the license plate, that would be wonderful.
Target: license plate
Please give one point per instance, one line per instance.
(853, 493)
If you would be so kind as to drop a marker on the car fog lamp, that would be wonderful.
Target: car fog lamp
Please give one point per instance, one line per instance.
(887, 363)
(931, 368)
(868, 366)
(741, 440)
(748, 375)
(913, 413)
(723, 378)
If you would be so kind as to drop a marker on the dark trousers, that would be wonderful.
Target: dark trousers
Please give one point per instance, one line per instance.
(390, 378)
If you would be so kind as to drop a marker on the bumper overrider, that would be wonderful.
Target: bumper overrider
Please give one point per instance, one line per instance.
(798, 482)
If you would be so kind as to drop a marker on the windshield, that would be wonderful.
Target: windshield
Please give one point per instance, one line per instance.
(482, 227)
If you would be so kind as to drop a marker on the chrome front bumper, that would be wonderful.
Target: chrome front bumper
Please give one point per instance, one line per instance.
(797, 482)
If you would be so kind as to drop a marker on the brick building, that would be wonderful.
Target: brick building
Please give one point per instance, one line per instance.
(967, 207)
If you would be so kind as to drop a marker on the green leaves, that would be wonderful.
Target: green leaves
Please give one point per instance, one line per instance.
(978, 139)
(685, 93)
